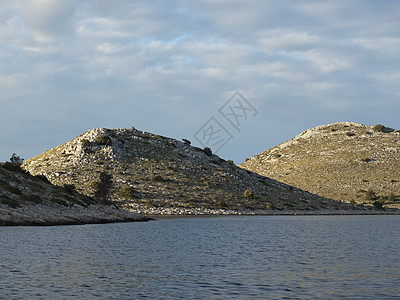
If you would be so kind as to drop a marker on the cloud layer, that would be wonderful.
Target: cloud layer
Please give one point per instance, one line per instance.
(168, 66)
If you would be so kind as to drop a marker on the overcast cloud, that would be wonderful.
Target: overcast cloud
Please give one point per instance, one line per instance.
(67, 66)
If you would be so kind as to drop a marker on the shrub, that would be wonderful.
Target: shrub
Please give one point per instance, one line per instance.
(370, 195)
(221, 204)
(85, 142)
(378, 204)
(248, 194)
(127, 192)
(207, 151)
(102, 187)
(187, 142)
(269, 205)
(350, 133)
(391, 197)
(380, 128)
(103, 139)
(231, 162)
(158, 178)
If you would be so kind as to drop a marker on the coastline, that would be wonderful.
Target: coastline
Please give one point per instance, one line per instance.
(52, 215)
(199, 212)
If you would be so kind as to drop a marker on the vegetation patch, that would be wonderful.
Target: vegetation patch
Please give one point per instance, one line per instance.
(103, 139)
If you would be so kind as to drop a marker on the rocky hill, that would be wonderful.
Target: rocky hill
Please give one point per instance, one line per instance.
(33, 200)
(152, 174)
(343, 161)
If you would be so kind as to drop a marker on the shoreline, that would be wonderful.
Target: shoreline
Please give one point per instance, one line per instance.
(54, 215)
(196, 212)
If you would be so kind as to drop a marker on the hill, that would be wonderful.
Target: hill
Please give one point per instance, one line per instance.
(152, 174)
(33, 200)
(343, 161)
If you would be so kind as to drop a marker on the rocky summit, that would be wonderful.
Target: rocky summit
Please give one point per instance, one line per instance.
(343, 161)
(152, 174)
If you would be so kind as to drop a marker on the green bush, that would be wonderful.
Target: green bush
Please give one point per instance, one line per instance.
(350, 133)
(103, 140)
(380, 128)
(248, 194)
(221, 204)
(187, 142)
(370, 195)
(158, 178)
(207, 151)
(127, 192)
(85, 142)
(378, 204)
(269, 205)
(391, 197)
(102, 187)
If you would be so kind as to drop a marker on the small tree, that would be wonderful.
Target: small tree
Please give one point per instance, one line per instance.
(103, 139)
(207, 151)
(248, 194)
(103, 186)
(381, 128)
(187, 142)
(370, 195)
(378, 204)
(391, 197)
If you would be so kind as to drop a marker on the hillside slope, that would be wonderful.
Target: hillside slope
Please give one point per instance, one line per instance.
(343, 161)
(32, 200)
(149, 173)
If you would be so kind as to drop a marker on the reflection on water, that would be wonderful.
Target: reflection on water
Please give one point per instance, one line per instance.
(197, 258)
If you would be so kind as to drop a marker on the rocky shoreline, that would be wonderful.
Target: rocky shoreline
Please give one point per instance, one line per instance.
(52, 215)
(49, 215)
(161, 212)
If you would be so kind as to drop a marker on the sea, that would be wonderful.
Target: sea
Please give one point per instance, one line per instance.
(225, 257)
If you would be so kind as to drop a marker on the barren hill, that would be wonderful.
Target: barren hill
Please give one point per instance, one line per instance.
(148, 173)
(344, 161)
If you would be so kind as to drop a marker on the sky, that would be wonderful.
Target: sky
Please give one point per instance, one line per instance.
(237, 76)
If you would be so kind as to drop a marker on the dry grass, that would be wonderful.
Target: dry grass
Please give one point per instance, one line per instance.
(328, 161)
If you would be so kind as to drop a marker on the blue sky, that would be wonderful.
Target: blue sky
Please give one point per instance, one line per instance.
(167, 67)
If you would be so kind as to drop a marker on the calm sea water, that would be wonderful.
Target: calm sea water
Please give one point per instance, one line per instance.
(269, 257)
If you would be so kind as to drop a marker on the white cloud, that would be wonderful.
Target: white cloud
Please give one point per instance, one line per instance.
(167, 66)
(49, 20)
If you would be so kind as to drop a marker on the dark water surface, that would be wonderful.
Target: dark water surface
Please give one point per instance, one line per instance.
(270, 257)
